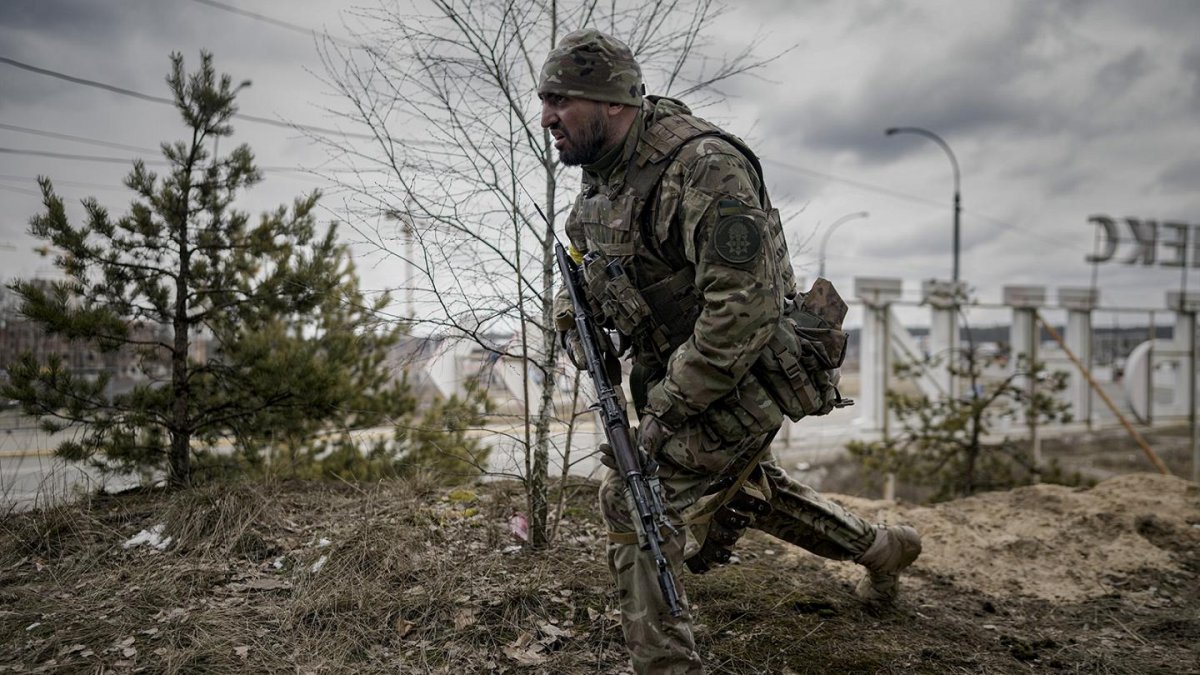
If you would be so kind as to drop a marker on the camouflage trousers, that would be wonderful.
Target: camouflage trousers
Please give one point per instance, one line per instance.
(689, 465)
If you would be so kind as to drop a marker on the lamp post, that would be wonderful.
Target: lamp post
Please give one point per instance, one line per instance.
(825, 239)
(954, 163)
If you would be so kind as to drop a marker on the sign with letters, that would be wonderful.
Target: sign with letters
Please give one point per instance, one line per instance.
(1166, 244)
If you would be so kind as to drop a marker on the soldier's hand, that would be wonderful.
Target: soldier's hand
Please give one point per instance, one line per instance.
(572, 345)
(607, 458)
(653, 434)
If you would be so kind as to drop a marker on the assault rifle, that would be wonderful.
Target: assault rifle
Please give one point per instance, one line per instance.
(634, 464)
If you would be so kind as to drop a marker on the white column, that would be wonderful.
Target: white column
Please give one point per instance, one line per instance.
(944, 298)
(1186, 305)
(1079, 303)
(876, 295)
(1025, 301)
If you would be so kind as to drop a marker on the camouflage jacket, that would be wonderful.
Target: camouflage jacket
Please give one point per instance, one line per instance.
(709, 219)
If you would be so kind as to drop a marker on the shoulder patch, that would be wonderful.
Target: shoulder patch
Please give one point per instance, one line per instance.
(737, 239)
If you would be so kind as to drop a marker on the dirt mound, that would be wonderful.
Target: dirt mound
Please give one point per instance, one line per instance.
(413, 578)
(1053, 542)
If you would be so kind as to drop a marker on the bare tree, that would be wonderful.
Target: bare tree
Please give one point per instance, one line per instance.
(459, 181)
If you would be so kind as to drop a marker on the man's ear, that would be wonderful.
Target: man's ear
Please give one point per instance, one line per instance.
(615, 109)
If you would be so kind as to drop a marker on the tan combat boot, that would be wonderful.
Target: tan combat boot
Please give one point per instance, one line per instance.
(895, 548)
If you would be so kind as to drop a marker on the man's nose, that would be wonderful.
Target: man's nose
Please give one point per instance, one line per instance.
(549, 118)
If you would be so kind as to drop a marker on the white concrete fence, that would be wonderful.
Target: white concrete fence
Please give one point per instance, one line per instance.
(1158, 385)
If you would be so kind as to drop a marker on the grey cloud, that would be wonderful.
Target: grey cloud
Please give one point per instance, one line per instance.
(789, 181)
(1055, 167)
(766, 9)
(1183, 176)
(891, 99)
(69, 18)
(880, 12)
(127, 44)
(984, 89)
(893, 240)
(1165, 16)
(1122, 73)
(84, 39)
(1068, 181)
(22, 89)
(1191, 68)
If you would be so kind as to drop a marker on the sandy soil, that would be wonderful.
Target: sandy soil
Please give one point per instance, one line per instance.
(1053, 542)
(401, 578)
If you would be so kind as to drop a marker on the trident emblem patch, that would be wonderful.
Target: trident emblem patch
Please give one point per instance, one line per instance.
(737, 239)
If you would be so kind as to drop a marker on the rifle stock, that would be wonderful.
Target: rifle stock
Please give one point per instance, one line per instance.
(644, 490)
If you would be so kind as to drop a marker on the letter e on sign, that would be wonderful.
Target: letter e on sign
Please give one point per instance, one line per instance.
(1179, 243)
(1145, 236)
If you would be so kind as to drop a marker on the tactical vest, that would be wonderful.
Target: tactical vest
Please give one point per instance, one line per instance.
(654, 304)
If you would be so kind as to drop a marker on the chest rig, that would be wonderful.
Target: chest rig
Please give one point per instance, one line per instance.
(645, 288)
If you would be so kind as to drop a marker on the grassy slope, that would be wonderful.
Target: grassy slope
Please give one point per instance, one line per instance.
(415, 581)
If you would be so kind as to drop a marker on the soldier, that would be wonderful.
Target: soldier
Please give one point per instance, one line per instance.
(685, 258)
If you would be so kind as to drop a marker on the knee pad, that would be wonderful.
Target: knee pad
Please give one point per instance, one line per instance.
(728, 525)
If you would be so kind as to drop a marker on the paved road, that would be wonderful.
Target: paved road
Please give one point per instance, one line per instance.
(31, 474)
(28, 480)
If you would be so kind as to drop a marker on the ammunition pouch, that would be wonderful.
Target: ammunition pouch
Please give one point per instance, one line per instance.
(613, 292)
(657, 318)
(748, 410)
(798, 367)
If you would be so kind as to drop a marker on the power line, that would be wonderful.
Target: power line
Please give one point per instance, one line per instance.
(1033, 233)
(919, 200)
(125, 160)
(166, 101)
(70, 137)
(858, 184)
(275, 22)
(81, 158)
(22, 191)
(69, 183)
(86, 83)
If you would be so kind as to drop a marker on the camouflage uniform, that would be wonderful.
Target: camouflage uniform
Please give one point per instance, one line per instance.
(708, 222)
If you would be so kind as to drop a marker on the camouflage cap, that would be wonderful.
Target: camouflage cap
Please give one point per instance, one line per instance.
(592, 65)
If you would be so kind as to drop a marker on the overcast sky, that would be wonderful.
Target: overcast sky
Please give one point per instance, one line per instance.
(1056, 111)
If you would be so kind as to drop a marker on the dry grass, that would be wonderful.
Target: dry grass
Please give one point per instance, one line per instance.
(402, 577)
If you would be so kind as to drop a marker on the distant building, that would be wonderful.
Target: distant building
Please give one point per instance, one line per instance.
(126, 368)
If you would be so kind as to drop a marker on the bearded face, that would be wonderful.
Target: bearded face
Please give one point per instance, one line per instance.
(587, 143)
(579, 127)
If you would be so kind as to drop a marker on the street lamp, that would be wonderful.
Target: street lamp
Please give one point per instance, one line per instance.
(825, 239)
(954, 163)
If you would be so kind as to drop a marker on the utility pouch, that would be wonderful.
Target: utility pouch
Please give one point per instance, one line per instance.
(818, 315)
(746, 411)
(608, 225)
(798, 366)
(619, 300)
(791, 377)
